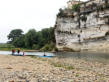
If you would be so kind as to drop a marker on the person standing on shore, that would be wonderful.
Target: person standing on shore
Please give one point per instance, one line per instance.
(13, 51)
(18, 51)
(23, 53)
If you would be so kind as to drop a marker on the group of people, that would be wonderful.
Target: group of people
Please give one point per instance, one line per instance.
(18, 52)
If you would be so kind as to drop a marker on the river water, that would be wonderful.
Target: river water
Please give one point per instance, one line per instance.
(93, 57)
(88, 56)
(28, 53)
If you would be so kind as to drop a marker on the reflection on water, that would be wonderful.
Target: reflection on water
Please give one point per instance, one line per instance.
(95, 57)
(99, 57)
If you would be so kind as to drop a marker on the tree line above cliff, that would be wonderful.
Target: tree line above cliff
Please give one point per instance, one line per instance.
(39, 40)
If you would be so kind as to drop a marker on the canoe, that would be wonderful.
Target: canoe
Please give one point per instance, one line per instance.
(47, 56)
(18, 55)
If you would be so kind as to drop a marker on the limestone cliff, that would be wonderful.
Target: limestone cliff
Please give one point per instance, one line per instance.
(84, 29)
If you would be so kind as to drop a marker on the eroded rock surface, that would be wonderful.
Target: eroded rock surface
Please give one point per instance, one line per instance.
(87, 29)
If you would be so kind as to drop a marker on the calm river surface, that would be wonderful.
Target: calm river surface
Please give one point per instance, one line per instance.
(93, 57)
(88, 56)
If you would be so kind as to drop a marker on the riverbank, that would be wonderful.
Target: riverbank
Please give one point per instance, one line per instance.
(10, 49)
(23, 49)
(34, 69)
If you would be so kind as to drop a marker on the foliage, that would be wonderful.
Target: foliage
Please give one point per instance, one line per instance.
(94, 4)
(77, 75)
(106, 4)
(76, 7)
(67, 49)
(31, 38)
(83, 18)
(41, 40)
(19, 41)
(61, 13)
(58, 64)
(3, 45)
(48, 47)
(36, 47)
(100, 8)
(14, 34)
(48, 35)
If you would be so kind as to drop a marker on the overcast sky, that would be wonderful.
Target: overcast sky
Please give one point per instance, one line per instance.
(27, 14)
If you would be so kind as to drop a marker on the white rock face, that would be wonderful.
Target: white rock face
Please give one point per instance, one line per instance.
(92, 34)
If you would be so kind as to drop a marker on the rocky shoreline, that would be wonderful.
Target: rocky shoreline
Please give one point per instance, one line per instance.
(34, 69)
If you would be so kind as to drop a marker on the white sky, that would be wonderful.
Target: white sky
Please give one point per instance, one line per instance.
(27, 14)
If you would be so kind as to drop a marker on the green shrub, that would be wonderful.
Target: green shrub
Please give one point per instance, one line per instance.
(61, 13)
(6, 45)
(46, 47)
(77, 75)
(68, 67)
(100, 8)
(76, 7)
(67, 49)
(83, 18)
(56, 49)
(49, 47)
(37, 47)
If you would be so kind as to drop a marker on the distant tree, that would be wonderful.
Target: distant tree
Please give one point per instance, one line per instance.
(44, 39)
(14, 34)
(48, 35)
(52, 35)
(19, 41)
(31, 38)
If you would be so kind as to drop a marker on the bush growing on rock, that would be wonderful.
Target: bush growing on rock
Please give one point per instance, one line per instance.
(76, 7)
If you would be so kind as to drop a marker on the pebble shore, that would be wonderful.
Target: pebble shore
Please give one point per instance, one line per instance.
(31, 69)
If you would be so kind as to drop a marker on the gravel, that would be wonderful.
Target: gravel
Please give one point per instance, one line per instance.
(27, 69)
